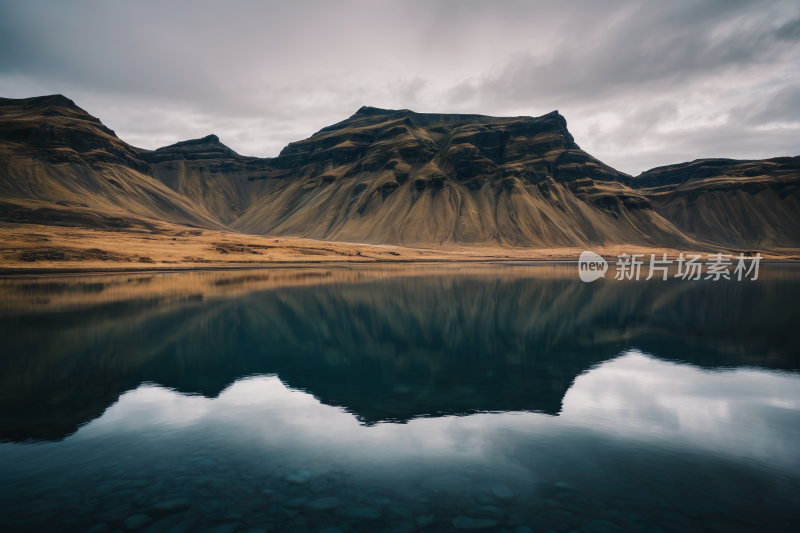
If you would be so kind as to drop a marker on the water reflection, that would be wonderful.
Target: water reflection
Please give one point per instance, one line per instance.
(743, 412)
(387, 344)
(649, 406)
(634, 397)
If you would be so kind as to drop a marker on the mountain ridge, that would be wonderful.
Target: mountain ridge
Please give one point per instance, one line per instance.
(386, 176)
(399, 177)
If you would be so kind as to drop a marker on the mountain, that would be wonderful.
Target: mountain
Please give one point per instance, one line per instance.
(736, 203)
(391, 177)
(60, 165)
(211, 175)
(402, 177)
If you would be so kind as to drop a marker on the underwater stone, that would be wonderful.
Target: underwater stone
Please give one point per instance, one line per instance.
(600, 526)
(169, 507)
(324, 504)
(501, 491)
(485, 499)
(425, 520)
(295, 503)
(363, 513)
(491, 510)
(300, 477)
(136, 522)
(224, 528)
(464, 522)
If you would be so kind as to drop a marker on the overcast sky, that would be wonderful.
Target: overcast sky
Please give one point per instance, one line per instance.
(641, 84)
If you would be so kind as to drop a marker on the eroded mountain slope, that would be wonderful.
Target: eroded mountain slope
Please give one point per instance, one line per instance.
(385, 176)
(391, 177)
(211, 174)
(750, 204)
(60, 165)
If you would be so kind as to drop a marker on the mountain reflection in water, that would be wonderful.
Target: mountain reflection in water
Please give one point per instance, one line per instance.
(386, 344)
(399, 398)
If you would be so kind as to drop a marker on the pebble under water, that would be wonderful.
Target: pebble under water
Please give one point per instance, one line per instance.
(362, 399)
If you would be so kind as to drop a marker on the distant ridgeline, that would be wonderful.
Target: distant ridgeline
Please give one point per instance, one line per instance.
(394, 177)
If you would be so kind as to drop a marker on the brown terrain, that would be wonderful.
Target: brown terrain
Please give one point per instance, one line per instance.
(380, 186)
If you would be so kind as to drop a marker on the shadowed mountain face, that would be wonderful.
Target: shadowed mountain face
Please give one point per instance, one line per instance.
(386, 345)
(402, 177)
(396, 177)
(753, 204)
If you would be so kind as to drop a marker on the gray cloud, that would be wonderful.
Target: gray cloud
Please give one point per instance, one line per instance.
(641, 84)
(781, 107)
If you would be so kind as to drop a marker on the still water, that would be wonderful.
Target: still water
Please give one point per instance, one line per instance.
(357, 399)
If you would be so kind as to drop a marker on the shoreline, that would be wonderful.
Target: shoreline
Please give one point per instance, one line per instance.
(11, 273)
(35, 249)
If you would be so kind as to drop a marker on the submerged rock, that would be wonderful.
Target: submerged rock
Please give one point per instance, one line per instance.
(447, 483)
(300, 477)
(501, 491)
(295, 503)
(600, 526)
(224, 528)
(169, 523)
(363, 513)
(464, 522)
(405, 527)
(169, 507)
(401, 511)
(491, 511)
(182, 527)
(485, 499)
(324, 504)
(378, 501)
(136, 522)
(425, 520)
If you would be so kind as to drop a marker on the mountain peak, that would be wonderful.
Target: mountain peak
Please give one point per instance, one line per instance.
(48, 106)
(52, 100)
(377, 111)
(208, 147)
(208, 139)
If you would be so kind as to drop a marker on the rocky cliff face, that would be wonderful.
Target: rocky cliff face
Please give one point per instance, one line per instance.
(385, 176)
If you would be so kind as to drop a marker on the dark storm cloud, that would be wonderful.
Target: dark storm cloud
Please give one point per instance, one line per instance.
(641, 84)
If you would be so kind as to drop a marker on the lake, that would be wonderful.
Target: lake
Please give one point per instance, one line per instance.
(507, 398)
